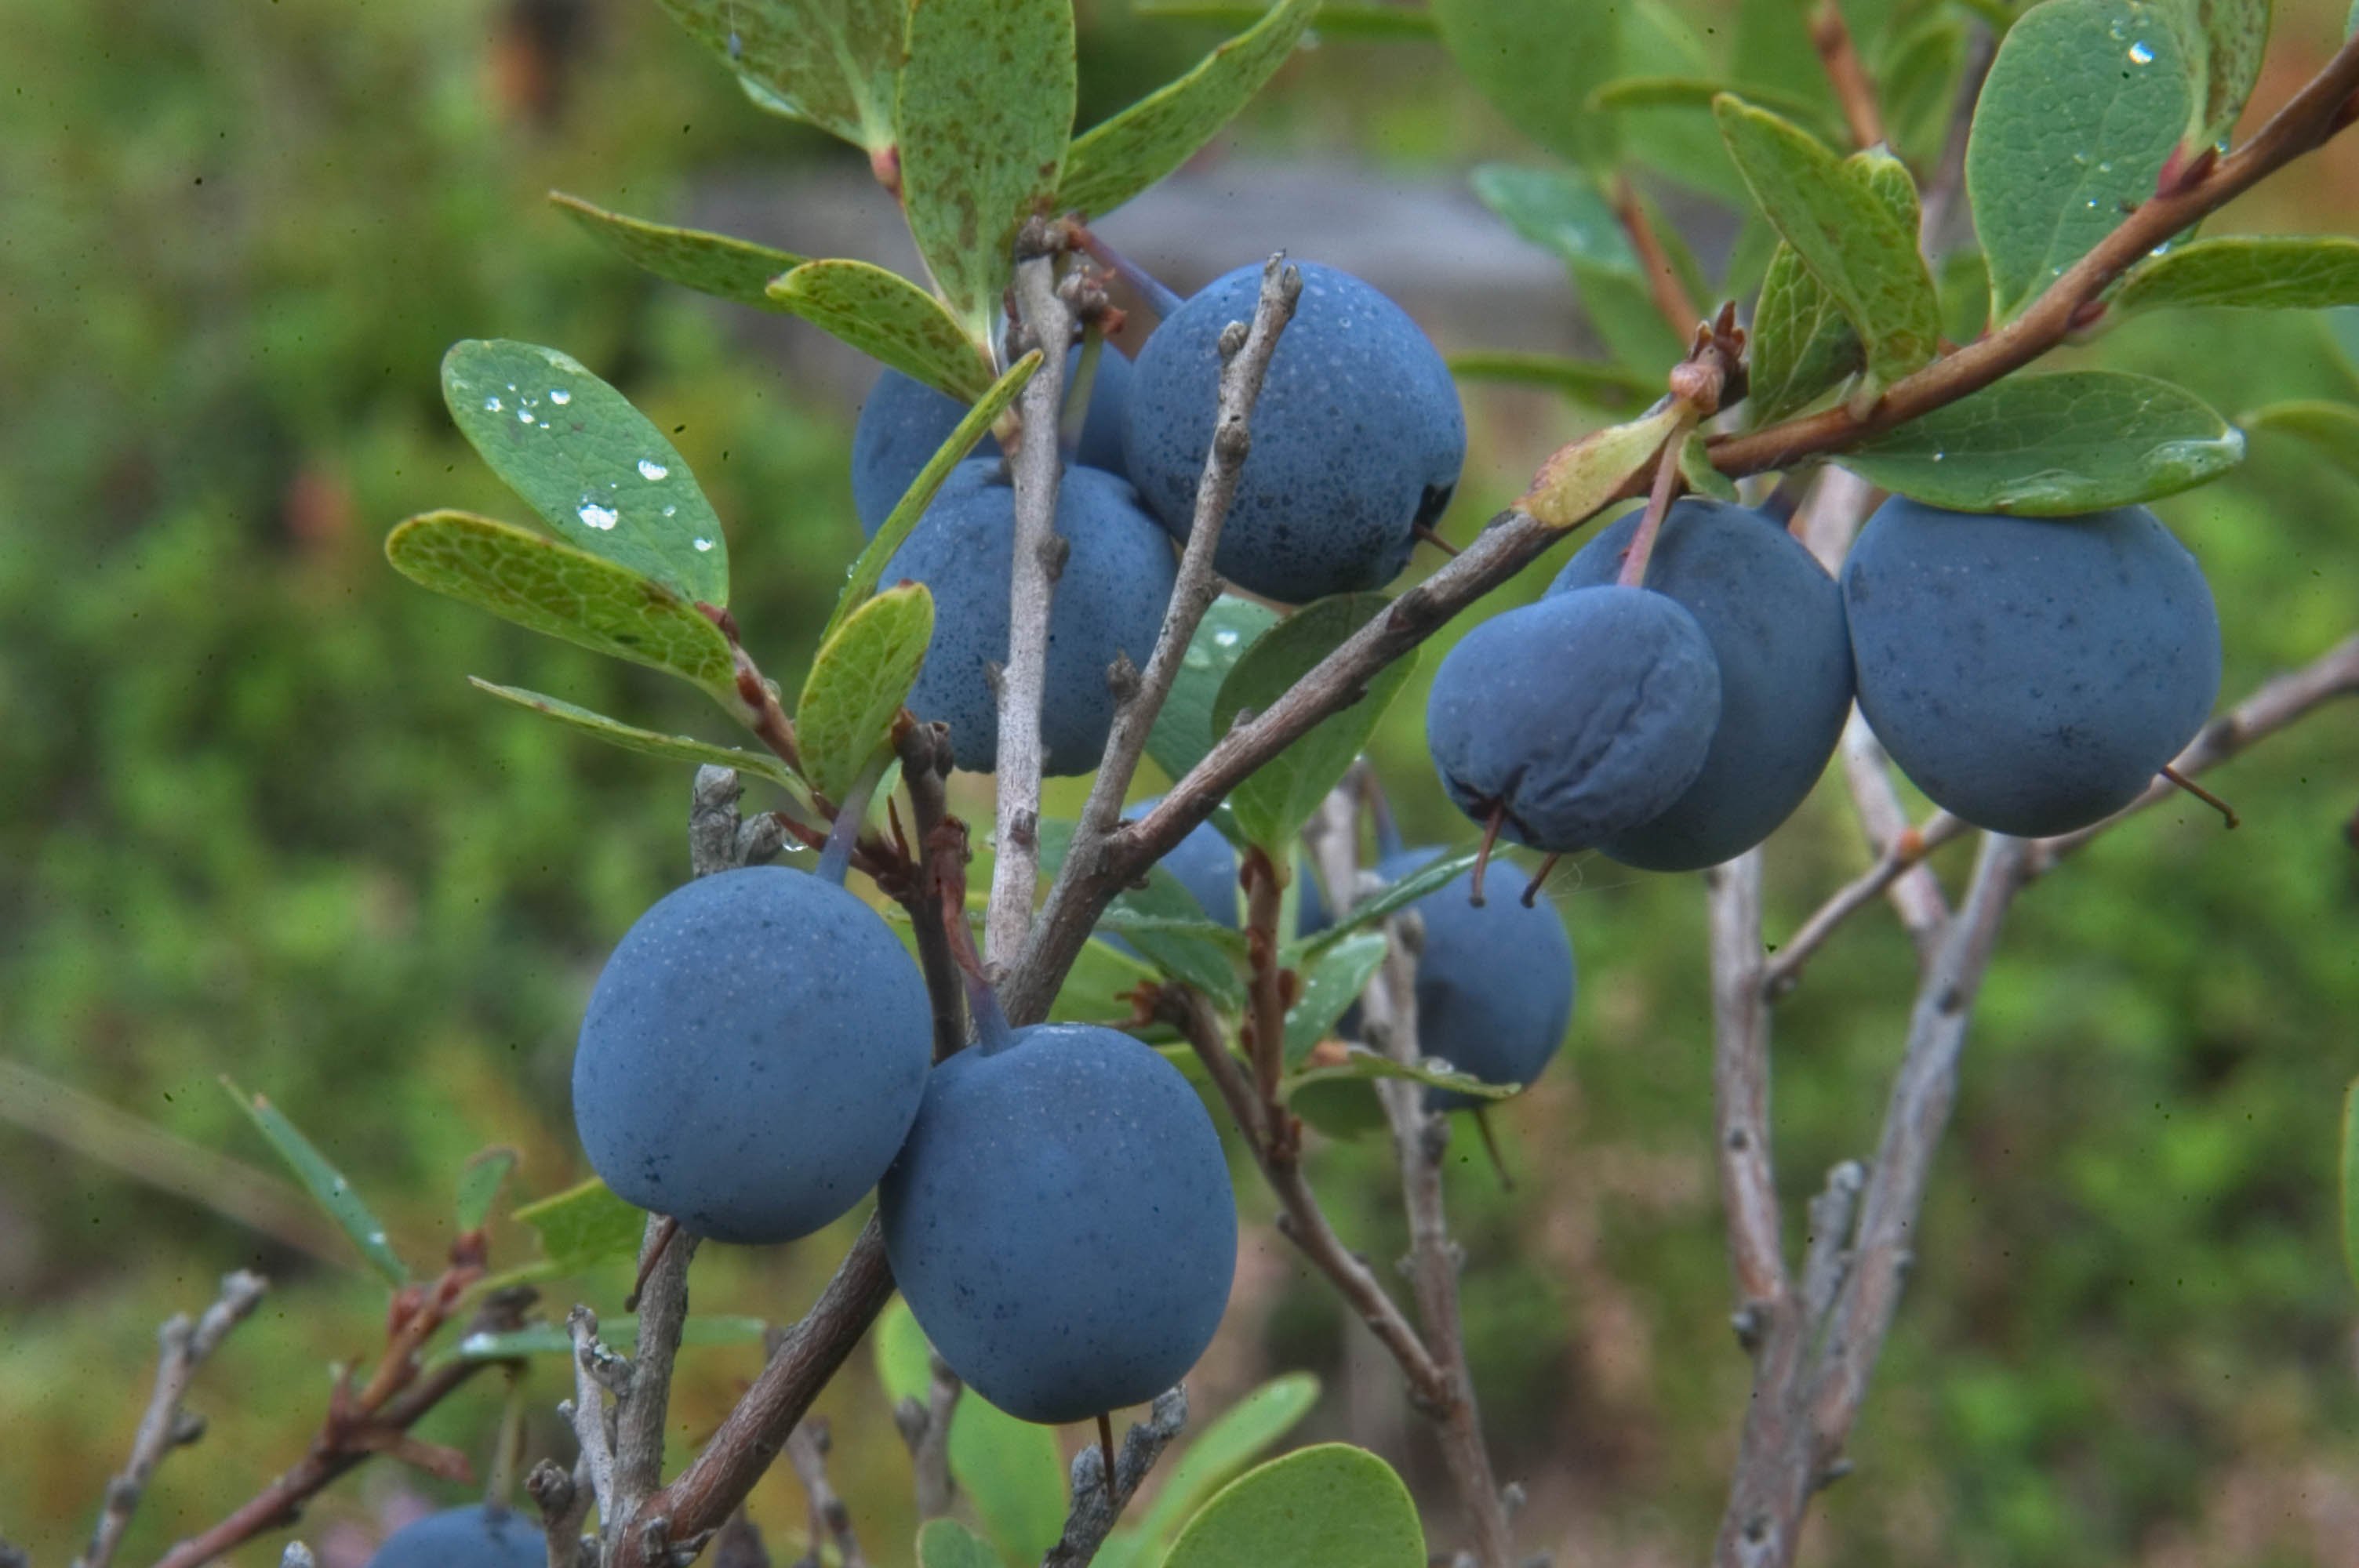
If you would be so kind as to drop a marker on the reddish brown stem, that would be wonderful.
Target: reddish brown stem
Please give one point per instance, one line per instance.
(1845, 74)
(1671, 299)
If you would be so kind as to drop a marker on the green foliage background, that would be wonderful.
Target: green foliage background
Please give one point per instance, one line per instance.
(256, 823)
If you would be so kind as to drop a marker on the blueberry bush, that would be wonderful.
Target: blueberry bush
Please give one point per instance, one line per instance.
(1866, 527)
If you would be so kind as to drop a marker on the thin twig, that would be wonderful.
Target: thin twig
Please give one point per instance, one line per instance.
(563, 1497)
(924, 751)
(183, 1347)
(352, 1434)
(639, 1412)
(1266, 1037)
(1245, 365)
(1845, 74)
(1095, 1506)
(925, 1427)
(587, 1413)
(807, 1449)
(1680, 312)
(1740, 1078)
(1907, 851)
(1015, 872)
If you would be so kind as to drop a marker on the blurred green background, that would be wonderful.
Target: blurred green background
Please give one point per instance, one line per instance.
(257, 824)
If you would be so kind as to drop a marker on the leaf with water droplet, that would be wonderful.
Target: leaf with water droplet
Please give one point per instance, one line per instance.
(1275, 799)
(717, 265)
(596, 468)
(2256, 272)
(986, 108)
(2070, 132)
(858, 682)
(647, 743)
(1126, 153)
(1183, 730)
(890, 320)
(831, 62)
(326, 1183)
(560, 591)
(2054, 446)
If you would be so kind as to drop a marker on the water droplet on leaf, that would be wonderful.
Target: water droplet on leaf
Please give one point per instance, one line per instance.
(652, 470)
(599, 517)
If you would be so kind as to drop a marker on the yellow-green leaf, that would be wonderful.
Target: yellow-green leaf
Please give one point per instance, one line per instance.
(582, 1226)
(858, 682)
(560, 591)
(1583, 476)
(890, 320)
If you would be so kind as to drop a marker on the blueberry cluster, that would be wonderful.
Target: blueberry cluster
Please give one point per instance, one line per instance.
(1357, 442)
(2031, 676)
(479, 1537)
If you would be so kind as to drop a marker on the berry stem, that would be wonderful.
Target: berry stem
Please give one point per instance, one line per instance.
(1491, 827)
(1658, 504)
(1539, 881)
(835, 860)
(2227, 812)
(1106, 1448)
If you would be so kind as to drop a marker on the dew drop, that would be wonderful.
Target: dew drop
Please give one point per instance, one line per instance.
(702, 546)
(559, 397)
(2140, 54)
(1225, 637)
(736, 44)
(493, 405)
(524, 415)
(669, 510)
(599, 517)
(652, 470)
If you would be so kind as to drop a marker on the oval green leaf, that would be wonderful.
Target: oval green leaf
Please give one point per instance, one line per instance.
(1844, 228)
(2055, 446)
(717, 265)
(858, 682)
(582, 1227)
(480, 1183)
(1333, 1505)
(2085, 102)
(560, 591)
(648, 742)
(326, 1185)
(2223, 41)
(1583, 476)
(1278, 798)
(1122, 155)
(831, 62)
(1400, 896)
(890, 320)
(596, 468)
(2247, 272)
(986, 106)
(946, 1544)
(1183, 730)
(1235, 1440)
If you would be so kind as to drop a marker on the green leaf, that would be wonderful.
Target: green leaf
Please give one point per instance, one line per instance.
(1918, 87)
(2332, 428)
(1165, 922)
(831, 62)
(601, 474)
(1183, 730)
(560, 591)
(2085, 101)
(858, 682)
(1336, 18)
(1538, 61)
(1583, 476)
(1331, 984)
(1696, 94)
(1278, 798)
(1773, 53)
(1238, 1437)
(1605, 386)
(1122, 155)
(1130, 921)
(1013, 1471)
(1658, 41)
(903, 519)
(2054, 446)
(986, 106)
(2348, 1187)
(2247, 272)
(1801, 348)
(710, 263)
(1966, 296)
(1362, 1065)
(556, 1339)
(480, 1184)
(1845, 230)
(2222, 41)
(1398, 896)
(1559, 212)
(582, 1227)
(1333, 1505)
(1695, 467)
(323, 1182)
(678, 748)
(946, 1544)
(891, 320)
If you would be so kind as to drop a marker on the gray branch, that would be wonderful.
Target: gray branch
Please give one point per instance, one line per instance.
(594, 1370)
(1740, 1080)
(641, 1407)
(1045, 317)
(184, 1347)
(1096, 1508)
(925, 1427)
(1245, 352)
(806, 1450)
